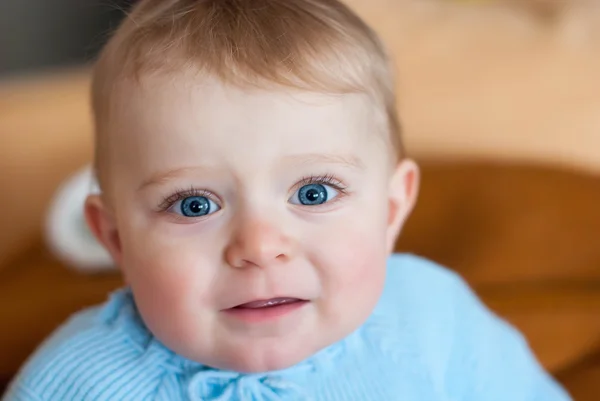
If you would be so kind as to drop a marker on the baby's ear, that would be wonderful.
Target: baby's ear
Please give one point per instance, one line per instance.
(101, 221)
(402, 196)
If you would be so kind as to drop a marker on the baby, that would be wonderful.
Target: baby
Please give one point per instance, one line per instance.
(253, 186)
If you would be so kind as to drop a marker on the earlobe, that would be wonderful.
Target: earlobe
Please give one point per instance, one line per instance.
(101, 223)
(403, 191)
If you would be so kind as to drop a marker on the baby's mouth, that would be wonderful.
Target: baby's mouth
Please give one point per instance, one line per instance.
(268, 303)
(266, 310)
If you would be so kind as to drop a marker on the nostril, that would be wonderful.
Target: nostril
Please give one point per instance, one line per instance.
(248, 263)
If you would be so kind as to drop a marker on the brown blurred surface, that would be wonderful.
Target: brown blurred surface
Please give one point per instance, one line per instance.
(45, 134)
(523, 236)
(488, 78)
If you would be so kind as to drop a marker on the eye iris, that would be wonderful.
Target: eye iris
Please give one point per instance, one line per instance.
(313, 194)
(195, 206)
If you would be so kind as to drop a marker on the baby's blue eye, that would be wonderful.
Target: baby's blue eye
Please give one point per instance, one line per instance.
(195, 206)
(313, 194)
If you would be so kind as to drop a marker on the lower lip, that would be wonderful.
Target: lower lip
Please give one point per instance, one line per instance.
(259, 315)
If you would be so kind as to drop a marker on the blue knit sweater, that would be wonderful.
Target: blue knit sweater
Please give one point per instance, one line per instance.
(429, 339)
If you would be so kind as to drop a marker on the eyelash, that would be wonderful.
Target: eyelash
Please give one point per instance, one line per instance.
(185, 193)
(327, 179)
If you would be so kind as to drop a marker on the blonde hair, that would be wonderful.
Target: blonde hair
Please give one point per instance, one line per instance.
(317, 45)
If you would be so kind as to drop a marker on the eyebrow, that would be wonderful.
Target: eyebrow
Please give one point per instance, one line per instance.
(311, 158)
(162, 177)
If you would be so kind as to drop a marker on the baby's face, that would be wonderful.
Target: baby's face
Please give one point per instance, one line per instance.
(227, 201)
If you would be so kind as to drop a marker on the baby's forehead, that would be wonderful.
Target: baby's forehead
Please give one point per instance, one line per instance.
(189, 86)
(186, 99)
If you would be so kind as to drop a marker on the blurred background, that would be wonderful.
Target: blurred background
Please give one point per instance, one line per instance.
(37, 35)
(500, 104)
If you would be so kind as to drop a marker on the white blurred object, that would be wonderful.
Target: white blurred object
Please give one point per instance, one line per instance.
(67, 234)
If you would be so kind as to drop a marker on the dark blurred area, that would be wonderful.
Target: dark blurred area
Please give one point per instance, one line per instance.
(46, 34)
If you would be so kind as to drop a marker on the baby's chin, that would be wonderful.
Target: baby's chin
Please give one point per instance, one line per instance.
(259, 358)
(258, 354)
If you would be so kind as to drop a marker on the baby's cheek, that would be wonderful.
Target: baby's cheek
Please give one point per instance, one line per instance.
(364, 265)
(167, 279)
(355, 266)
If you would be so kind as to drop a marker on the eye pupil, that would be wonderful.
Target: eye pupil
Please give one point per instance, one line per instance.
(313, 194)
(195, 206)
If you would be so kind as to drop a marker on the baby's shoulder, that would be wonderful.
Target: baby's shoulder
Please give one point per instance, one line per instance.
(432, 302)
(422, 313)
(415, 281)
(96, 354)
(469, 352)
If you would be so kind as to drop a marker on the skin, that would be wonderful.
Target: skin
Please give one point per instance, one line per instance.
(252, 150)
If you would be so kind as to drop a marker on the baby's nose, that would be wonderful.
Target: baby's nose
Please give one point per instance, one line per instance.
(258, 243)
